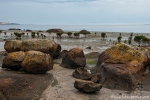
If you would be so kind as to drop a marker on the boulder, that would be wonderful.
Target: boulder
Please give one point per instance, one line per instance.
(36, 62)
(87, 86)
(84, 32)
(120, 67)
(13, 60)
(82, 73)
(96, 78)
(12, 45)
(63, 53)
(89, 47)
(45, 46)
(55, 30)
(74, 58)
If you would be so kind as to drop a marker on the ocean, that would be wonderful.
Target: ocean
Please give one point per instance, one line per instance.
(135, 28)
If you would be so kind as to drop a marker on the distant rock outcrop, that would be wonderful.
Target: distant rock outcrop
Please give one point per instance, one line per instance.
(120, 67)
(55, 31)
(36, 62)
(84, 32)
(13, 60)
(74, 58)
(87, 86)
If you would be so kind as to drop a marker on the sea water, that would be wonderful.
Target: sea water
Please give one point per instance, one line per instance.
(135, 28)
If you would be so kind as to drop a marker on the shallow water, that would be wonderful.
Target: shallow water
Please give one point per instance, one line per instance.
(139, 28)
(2, 46)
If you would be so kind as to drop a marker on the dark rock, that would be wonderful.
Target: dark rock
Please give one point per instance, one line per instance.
(55, 30)
(82, 73)
(87, 86)
(120, 67)
(63, 53)
(36, 62)
(96, 78)
(84, 32)
(74, 58)
(13, 60)
(89, 47)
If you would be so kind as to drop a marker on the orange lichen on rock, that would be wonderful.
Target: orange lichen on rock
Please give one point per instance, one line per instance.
(122, 53)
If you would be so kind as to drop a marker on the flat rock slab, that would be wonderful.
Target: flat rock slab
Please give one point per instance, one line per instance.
(17, 86)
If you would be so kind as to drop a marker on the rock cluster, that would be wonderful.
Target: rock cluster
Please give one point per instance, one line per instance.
(86, 82)
(33, 55)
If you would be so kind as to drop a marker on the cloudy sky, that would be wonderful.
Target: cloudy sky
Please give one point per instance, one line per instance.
(74, 11)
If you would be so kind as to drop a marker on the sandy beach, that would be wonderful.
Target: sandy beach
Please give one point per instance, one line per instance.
(63, 86)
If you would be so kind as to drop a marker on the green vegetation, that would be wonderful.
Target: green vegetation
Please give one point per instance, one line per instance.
(76, 35)
(84, 33)
(103, 35)
(138, 39)
(5, 33)
(119, 38)
(69, 34)
(59, 34)
(37, 34)
(18, 35)
(130, 39)
(33, 34)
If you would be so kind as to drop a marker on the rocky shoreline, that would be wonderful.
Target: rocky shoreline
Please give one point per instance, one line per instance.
(114, 73)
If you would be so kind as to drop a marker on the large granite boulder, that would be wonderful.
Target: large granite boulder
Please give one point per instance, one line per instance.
(37, 62)
(45, 46)
(87, 86)
(74, 58)
(12, 45)
(82, 73)
(13, 60)
(120, 67)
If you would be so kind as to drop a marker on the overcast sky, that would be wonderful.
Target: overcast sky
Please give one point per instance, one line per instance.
(74, 11)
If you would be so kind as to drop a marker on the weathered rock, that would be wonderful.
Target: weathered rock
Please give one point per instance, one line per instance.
(13, 60)
(120, 67)
(82, 73)
(17, 86)
(87, 86)
(84, 32)
(63, 53)
(74, 58)
(12, 45)
(55, 30)
(96, 78)
(45, 46)
(37, 62)
(89, 47)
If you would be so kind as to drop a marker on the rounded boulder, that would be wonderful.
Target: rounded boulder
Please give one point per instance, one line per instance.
(36, 62)
(13, 60)
(12, 45)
